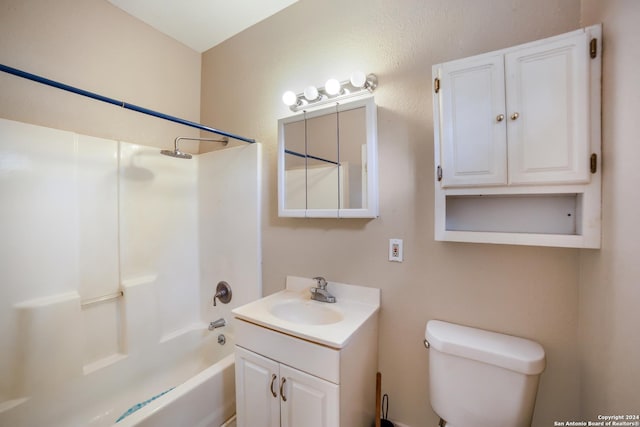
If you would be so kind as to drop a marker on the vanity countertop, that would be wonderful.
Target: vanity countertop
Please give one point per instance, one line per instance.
(330, 324)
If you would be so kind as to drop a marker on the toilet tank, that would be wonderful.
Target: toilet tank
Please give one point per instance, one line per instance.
(481, 378)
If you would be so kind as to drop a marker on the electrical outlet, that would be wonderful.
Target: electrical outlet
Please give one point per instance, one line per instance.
(395, 250)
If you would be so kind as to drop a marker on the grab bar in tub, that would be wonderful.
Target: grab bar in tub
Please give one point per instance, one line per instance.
(103, 298)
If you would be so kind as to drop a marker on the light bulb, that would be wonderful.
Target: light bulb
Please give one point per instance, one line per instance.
(311, 93)
(289, 98)
(332, 87)
(358, 79)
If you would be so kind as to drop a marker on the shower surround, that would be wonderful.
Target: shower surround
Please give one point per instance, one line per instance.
(109, 259)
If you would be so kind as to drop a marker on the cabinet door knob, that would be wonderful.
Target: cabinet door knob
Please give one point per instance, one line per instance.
(284, 398)
(515, 116)
(273, 380)
(500, 117)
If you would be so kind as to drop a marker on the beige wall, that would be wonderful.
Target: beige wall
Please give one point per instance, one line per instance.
(93, 45)
(610, 278)
(533, 292)
(527, 291)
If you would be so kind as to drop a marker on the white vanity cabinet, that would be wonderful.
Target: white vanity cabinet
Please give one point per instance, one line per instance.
(286, 381)
(515, 130)
(312, 366)
(271, 394)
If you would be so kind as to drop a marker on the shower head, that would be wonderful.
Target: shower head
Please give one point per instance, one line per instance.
(182, 155)
(176, 153)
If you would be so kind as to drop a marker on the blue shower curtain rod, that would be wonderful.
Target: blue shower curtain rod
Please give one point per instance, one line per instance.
(122, 104)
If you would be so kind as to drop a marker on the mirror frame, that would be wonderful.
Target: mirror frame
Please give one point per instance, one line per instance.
(370, 211)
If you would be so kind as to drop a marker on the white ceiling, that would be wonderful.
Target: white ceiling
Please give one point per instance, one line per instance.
(201, 24)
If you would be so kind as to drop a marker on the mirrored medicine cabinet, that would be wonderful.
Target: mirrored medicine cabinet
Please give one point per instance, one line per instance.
(328, 162)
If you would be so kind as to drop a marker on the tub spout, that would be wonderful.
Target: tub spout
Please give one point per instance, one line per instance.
(217, 324)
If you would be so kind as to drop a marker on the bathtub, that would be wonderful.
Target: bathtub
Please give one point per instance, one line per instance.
(206, 399)
(198, 371)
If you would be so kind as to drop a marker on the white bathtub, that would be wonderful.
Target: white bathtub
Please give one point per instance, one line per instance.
(206, 399)
(198, 369)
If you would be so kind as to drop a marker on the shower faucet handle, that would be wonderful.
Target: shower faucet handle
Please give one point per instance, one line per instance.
(223, 293)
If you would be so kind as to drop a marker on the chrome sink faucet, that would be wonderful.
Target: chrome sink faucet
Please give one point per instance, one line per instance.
(320, 292)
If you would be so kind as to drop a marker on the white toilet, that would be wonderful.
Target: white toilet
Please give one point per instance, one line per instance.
(479, 378)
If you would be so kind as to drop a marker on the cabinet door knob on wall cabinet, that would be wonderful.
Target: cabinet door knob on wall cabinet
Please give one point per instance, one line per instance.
(515, 116)
(500, 117)
(284, 398)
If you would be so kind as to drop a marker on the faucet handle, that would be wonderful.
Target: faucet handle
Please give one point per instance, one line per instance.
(322, 283)
(223, 293)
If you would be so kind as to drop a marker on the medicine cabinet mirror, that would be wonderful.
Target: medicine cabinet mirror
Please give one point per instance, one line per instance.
(328, 162)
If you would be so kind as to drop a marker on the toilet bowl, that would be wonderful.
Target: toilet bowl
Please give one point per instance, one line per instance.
(481, 378)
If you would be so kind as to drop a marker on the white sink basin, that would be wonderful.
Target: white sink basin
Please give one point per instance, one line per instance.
(293, 312)
(306, 312)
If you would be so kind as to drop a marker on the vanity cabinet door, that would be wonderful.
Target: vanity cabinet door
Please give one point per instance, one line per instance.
(548, 108)
(270, 394)
(307, 400)
(257, 393)
(472, 122)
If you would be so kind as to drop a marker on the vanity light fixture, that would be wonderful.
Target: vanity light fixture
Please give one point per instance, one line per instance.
(311, 93)
(333, 87)
(332, 91)
(289, 98)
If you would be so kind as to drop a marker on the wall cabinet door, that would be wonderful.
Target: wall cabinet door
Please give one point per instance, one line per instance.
(531, 102)
(474, 149)
(548, 112)
(269, 394)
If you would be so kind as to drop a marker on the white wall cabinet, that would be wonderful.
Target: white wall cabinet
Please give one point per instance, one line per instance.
(517, 117)
(520, 124)
(271, 394)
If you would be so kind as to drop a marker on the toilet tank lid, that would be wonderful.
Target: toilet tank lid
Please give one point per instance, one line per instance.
(514, 353)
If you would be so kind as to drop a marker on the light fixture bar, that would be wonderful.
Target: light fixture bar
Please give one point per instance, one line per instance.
(334, 90)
